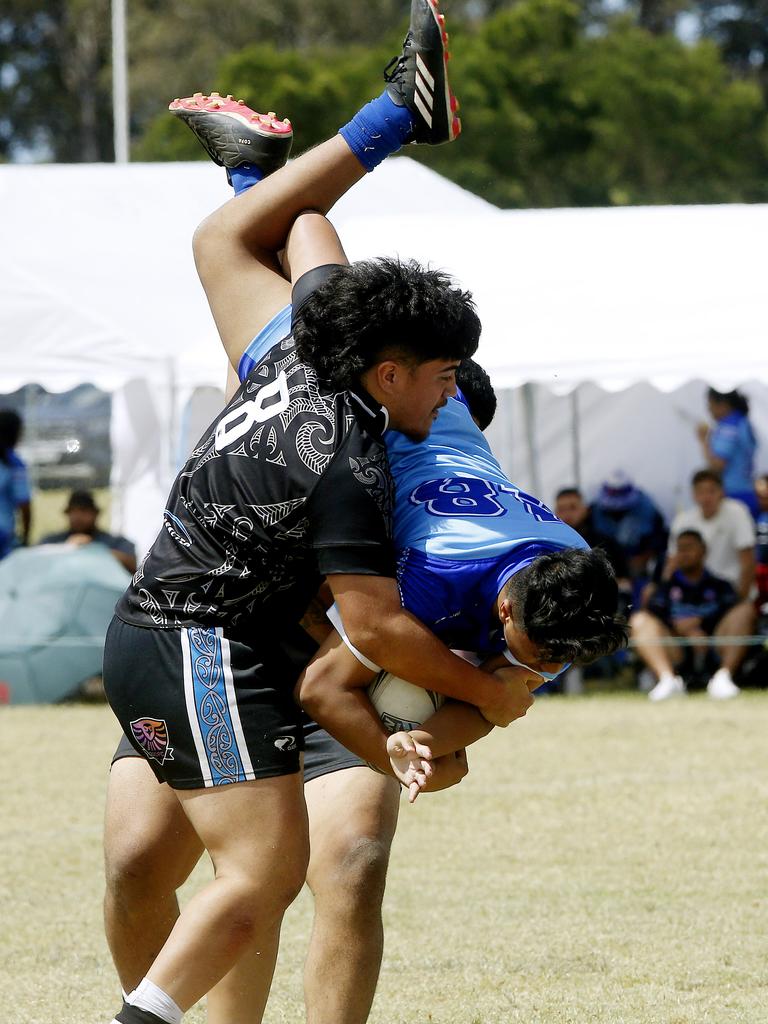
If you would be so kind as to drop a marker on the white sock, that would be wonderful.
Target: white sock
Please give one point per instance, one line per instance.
(149, 997)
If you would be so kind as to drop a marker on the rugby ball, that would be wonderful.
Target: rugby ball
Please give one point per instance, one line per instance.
(401, 705)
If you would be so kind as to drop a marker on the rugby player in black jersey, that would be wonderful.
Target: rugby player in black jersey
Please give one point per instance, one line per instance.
(289, 484)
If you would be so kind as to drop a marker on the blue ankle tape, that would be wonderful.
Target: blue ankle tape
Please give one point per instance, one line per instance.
(380, 128)
(242, 178)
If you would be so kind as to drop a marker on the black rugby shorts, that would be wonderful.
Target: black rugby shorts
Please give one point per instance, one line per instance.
(203, 709)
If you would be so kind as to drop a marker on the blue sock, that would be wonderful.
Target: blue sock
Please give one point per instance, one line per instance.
(242, 178)
(380, 128)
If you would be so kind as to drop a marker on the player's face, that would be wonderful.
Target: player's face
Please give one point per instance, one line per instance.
(525, 651)
(417, 394)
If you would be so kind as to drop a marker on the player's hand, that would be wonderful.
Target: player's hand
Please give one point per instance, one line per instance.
(513, 697)
(702, 432)
(411, 762)
(447, 771)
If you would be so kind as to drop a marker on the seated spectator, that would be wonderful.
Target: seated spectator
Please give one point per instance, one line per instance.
(629, 517)
(83, 512)
(692, 603)
(728, 530)
(574, 511)
(14, 485)
(729, 446)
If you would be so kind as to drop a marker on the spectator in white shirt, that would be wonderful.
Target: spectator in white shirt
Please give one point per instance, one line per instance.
(728, 530)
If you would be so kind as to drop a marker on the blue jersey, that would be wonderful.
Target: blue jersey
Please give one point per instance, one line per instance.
(733, 441)
(461, 528)
(14, 491)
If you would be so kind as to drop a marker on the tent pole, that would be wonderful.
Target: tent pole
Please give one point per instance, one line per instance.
(530, 435)
(119, 83)
(575, 437)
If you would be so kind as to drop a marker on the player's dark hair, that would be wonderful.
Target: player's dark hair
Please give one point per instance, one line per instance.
(692, 533)
(567, 603)
(476, 387)
(10, 432)
(706, 474)
(374, 308)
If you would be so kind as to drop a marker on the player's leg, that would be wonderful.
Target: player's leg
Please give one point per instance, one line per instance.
(215, 715)
(739, 621)
(237, 244)
(256, 835)
(647, 631)
(352, 819)
(353, 815)
(149, 850)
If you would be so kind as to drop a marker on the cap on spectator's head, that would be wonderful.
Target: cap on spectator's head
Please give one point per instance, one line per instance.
(618, 492)
(81, 499)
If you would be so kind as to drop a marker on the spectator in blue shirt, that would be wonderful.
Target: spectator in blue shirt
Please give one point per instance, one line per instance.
(729, 446)
(692, 603)
(629, 517)
(761, 549)
(15, 498)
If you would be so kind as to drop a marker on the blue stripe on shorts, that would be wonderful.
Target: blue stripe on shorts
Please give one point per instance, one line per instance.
(217, 730)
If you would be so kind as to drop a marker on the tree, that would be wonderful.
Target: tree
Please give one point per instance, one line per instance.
(54, 81)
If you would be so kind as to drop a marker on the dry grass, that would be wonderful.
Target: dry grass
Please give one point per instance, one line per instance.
(604, 862)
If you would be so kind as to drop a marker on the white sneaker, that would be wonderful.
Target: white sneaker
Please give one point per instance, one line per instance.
(721, 686)
(667, 686)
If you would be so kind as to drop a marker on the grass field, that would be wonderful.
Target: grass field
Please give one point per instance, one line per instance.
(605, 861)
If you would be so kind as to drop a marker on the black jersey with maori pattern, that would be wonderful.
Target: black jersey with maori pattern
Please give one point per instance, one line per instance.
(291, 482)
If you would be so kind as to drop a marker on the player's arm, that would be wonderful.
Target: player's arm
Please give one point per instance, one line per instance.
(393, 639)
(332, 690)
(348, 527)
(446, 734)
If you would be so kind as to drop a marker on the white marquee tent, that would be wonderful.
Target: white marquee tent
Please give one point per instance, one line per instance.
(600, 326)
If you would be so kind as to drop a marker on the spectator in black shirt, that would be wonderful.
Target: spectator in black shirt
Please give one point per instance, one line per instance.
(83, 513)
(692, 603)
(573, 510)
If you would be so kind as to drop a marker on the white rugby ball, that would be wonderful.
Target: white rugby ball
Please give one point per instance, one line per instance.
(401, 705)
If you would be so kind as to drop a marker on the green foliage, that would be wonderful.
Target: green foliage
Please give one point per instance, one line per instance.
(561, 103)
(54, 80)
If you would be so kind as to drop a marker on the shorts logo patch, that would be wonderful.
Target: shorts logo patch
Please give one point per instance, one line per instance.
(152, 736)
(285, 743)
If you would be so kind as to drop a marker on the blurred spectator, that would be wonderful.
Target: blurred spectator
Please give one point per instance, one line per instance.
(629, 517)
(574, 511)
(692, 603)
(761, 548)
(728, 530)
(83, 512)
(15, 498)
(729, 446)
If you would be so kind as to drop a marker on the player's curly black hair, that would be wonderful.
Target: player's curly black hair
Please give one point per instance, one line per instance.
(476, 387)
(567, 603)
(379, 307)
